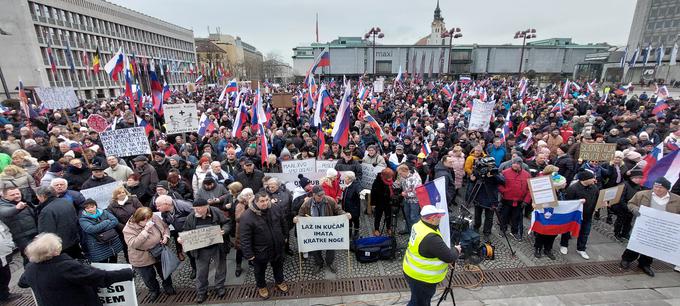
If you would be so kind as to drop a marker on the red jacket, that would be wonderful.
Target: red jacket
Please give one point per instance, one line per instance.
(516, 188)
(333, 191)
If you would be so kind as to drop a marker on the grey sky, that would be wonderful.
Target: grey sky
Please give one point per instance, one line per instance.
(278, 26)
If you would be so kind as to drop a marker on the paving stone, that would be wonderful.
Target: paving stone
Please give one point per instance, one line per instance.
(619, 296)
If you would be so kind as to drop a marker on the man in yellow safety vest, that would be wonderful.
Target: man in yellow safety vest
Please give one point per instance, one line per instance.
(427, 256)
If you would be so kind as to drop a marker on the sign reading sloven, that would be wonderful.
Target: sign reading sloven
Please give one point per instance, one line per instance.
(597, 151)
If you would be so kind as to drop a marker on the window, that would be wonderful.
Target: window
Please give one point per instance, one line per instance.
(384, 67)
(36, 9)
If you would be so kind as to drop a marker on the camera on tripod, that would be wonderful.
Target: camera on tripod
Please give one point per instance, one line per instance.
(484, 167)
(473, 251)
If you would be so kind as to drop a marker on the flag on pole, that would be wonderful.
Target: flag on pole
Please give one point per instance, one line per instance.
(116, 64)
(23, 99)
(668, 167)
(397, 80)
(634, 57)
(373, 124)
(660, 52)
(674, 55)
(650, 161)
(50, 57)
(69, 57)
(156, 89)
(86, 63)
(322, 60)
(96, 61)
(241, 117)
(427, 194)
(622, 62)
(645, 56)
(340, 131)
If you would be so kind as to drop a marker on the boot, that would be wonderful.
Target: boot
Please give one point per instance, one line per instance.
(537, 253)
(238, 271)
(609, 219)
(597, 215)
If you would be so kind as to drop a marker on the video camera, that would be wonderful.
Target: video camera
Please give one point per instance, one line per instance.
(473, 251)
(485, 166)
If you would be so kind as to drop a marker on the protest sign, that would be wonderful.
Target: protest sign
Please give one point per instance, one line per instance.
(101, 194)
(299, 166)
(323, 165)
(597, 151)
(117, 294)
(125, 142)
(57, 97)
(291, 180)
(322, 233)
(282, 100)
(191, 87)
(368, 175)
(180, 118)
(97, 123)
(481, 114)
(201, 237)
(542, 192)
(612, 195)
(379, 85)
(656, 233)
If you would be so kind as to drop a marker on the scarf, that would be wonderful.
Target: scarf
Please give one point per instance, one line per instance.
(389, 183)
(121, 203)
(93, 216)
(256, 210)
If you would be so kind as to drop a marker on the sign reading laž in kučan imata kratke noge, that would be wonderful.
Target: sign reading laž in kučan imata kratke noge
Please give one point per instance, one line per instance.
(322, 233)
(125, 142)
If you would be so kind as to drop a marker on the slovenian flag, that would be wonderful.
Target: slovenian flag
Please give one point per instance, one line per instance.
(505, 131)
(446, 90)
(199, 79)
(156, 89)
(141, 122)
(427, 194)
(205, 125)
(322, 60)
(565, 218)
(558, 107)
(363, 93)
(342, 120)
(399, 77)
(322, 103)
(373, 124)
(115, 65)
(426, 149)
(241, 117)
(668, 167)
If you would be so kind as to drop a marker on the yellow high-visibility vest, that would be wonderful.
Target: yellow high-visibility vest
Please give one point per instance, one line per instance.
(428, 270)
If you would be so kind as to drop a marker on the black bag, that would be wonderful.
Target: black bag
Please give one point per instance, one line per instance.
(371, 249)
(107, 235)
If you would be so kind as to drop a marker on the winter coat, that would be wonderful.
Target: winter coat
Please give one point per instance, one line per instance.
(222, 178)
(442, 171)
(351, 199)
(332, 208)
(97, 251)
(123, 212)
(610, 176)
(629, 190)
(63, 280)
(22, 223)
(375, 161)
(577, 191)
(96, 182)
(567, 167)
(140, 241)
(497, 153)
(76, 177)
(251, 180)
(261, 234)
(74, 197)
(217, 192)
(178, 215)
(121, 173)
(352, 165)
(183, 189)
(162, 168)
(197, 180)
(238, 211)
(231, 167)
(645, 198)
(48, 177)
(380, 193)
(141, 192)
(21, 181)
(58, 216)
(516, 187)
(283, 201)
(458, 170)
(332, 188)
(148, 178)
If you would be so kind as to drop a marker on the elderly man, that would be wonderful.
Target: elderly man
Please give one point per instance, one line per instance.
(148, 178)
(58, 216)
(174, 212)
(117, 171)
(98, 177)
(658, 198)
(230, 164)
(77, 174)
(19, 216)
(60, 187)
(282, 201)
(320, 205)
(250, 177)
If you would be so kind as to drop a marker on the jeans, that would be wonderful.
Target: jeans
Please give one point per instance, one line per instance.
(488, 219)
(318, 257)
(582, 236)
(512, 215)
(260, 268)
(203, 256)
(421, 292)
(148, 275)
(412, 212)
(643, 260)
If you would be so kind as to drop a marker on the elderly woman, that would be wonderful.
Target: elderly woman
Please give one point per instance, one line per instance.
(201, 171)
(351, 201)
(382, 194)
(122, 206)
(14, 176)
(244, 199)
(57, 279)
(331, 184)
(143, 232)
(21, 158)
(273, 165)
(407, 181)
(100, 239)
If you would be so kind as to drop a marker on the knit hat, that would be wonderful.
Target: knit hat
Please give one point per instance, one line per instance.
(304, 181)
(585, 175)
(636, 172)
(285, 152)
(56, 167)
(558, 181)
(330, 172)
(663, 182)
(517, 160)
(140, 158)
(70, 153)
(200, 202)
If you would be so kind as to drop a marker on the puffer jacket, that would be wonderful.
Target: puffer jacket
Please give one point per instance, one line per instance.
(22, 223)
(140, 241)
(516, 187)
(97, 251)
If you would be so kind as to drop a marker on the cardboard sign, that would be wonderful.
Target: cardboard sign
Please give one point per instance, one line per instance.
(322, 233)
(613, 195)
(191, 87)
(282, 100)
(298, 166)
(597, 151)
(323, 165)
(125, 142)
(481, 114)
(201, 237)
(101, 194)
(542, 191)
(117, 294)
(368, 175)
(656, 234)
(97, 122)
(57, 97)
(180, 118)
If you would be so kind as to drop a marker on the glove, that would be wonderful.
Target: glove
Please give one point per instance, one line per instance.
(635, 211)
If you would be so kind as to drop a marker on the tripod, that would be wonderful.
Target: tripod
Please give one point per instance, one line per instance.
(471, 199)
(448, 290)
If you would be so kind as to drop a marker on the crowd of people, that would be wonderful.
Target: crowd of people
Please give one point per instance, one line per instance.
(216, 178)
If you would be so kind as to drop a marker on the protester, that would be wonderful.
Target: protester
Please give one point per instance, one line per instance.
(148, 178)
(250, 177)
(123, 205)
(351, 203)
(7, 245)
(382, 195)
(175, 212)
(407, 181)
(98, 177)
(515, 196)
(243, 201)
(20, 217)
(543, 241)
(117, 171)
(58, 216)
(583, 189)
(100, 239)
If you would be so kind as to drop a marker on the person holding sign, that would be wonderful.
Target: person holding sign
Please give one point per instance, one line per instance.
(658, 198)
(321, 205)
(204, 216)
(57, 279)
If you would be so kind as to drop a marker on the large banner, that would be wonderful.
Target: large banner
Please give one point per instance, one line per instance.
(481, 114)
(118, 294)
(125, 142)
(322, 233)
(657, 234)
(299, 166)
(368, 175)
(101, 194)
(201, 237)
(57, 97)
(180, 118)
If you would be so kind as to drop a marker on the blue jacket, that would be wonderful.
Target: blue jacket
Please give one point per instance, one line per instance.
(496, 153)
(95, 250)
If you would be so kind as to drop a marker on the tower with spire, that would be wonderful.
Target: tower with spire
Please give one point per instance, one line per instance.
(438, 27)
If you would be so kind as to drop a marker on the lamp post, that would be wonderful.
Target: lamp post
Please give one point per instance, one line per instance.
(524, 35)
(452, 34)
(375, 31)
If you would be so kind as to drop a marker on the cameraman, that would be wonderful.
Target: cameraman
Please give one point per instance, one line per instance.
(484, 193)
(427, 256)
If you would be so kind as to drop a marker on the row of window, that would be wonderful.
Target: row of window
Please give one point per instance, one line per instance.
(81, 78)
(74, 20)
(661, 11)
(656, 39)
(666, 24)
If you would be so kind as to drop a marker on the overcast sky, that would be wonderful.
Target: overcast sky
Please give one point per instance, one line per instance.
(279, 25)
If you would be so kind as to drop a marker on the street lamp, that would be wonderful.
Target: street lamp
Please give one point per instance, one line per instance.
(452, 34)
(374, 32)
(524, 35)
